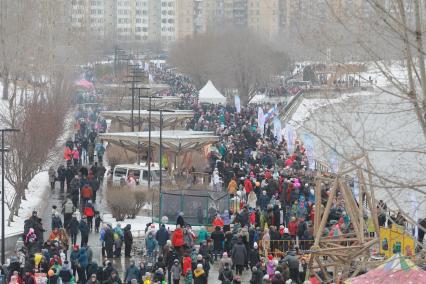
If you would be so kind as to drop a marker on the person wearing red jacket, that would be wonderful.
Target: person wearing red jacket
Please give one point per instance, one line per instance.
(292, 227)
(218, 222)
(186, 265)
(177, 238)
(248, 186)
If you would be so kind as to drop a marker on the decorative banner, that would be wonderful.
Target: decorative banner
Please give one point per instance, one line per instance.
(277, 129)
(308, 142)
(260, 121)
(290, 136)
(270, 114)
(237, 103)
(395, 241)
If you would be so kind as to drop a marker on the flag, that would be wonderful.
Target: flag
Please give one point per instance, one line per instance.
(277, 129)
(260, 121)
(146, 68)
(151, 79)
(308, 141)
(290, 136)
(237, 103)
(270, 114)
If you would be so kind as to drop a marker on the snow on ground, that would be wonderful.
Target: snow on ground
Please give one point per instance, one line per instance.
(308, 106)
(38, 188)
(37, 193)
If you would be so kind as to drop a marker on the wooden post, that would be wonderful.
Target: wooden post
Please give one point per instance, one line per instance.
(326, 213)
(317, 217)
(361, 207)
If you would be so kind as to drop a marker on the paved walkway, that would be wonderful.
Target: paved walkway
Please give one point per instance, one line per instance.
(120, 264)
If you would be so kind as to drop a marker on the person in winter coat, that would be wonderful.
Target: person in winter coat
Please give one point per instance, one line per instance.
(175, 271)
(73, 228)
(93, 280)
(83, 262)
(108, 239)
(52, 177)
(218, 238)
(61, 176)
(203, 235)
(151, 244)
(293, 264)
(84, 231)
(254, 257)
(177, 238)
(200, 276)
(67, 210)
(292, 227)
(263, 201)
(114, 278)
(92, 268)
(56, 221)
(74, 190)
(89, 212)
(128, 240)
(162, 236)
(252, 199)
(74, 258)
(226, 275)
(66, 274)
(132, 272)
(270, 266)
(239, 256)
(256, 276)
(186, 265)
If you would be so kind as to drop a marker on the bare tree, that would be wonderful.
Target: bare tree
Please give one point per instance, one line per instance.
(235, 59)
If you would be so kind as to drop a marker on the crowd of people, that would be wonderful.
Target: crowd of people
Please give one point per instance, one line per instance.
(265, 231)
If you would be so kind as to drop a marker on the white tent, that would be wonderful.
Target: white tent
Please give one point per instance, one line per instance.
(209, 94)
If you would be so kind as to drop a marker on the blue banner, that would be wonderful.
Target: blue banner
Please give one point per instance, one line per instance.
(308, 142)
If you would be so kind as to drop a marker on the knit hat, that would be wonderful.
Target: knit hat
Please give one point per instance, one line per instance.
(199, 266)
(255, 245)
(50, 273)
(270, 257)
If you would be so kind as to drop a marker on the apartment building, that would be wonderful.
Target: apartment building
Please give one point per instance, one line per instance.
(263, 17)
(171, 20)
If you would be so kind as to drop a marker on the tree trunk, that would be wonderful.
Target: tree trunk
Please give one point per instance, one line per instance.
(5, 84)
(16, 204)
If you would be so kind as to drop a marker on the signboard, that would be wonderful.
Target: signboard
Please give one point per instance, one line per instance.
(40, 278)
(395, 241)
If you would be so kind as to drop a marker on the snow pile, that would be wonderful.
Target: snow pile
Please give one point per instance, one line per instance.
(38, 191)
(308, 106)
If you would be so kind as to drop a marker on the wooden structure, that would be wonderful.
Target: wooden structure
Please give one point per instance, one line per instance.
(344, 256)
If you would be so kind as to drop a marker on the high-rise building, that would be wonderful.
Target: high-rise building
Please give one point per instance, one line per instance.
(263, 17)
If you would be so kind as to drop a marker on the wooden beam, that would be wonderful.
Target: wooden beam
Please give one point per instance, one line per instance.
(317, 211)
(326, 213)
(361, 208)
(350, 210)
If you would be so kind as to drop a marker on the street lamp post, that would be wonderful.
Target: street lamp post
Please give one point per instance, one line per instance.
(139, 115)
(3, 252)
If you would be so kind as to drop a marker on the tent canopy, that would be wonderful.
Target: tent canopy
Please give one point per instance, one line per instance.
(175, 141)
(156, 101)
(209, 94)
(396, 270)
(170, 117)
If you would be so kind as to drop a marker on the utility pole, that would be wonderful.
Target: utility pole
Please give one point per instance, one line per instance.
(135, 76)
